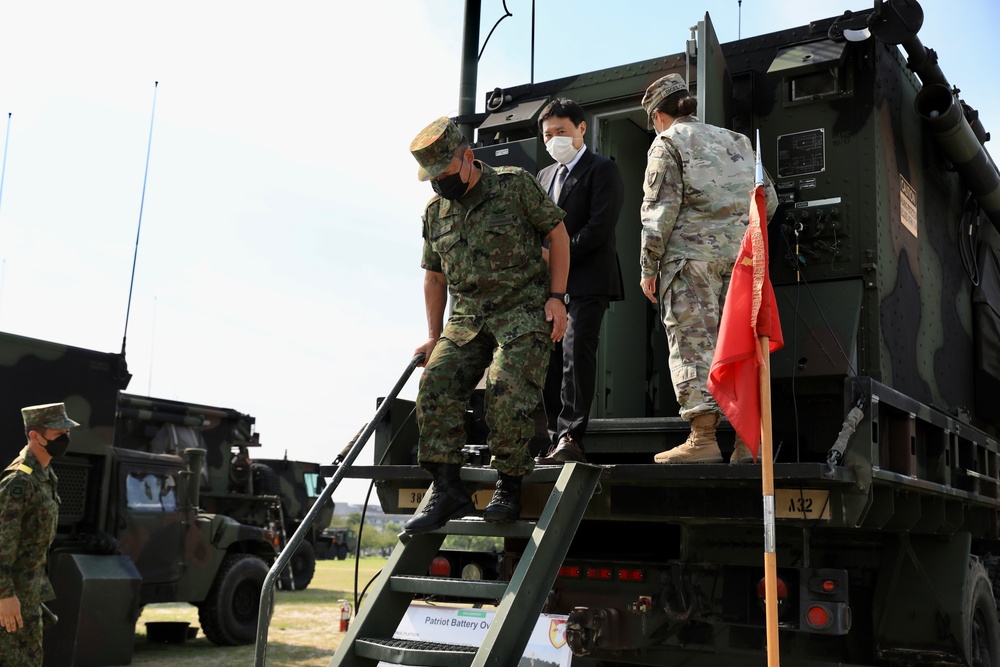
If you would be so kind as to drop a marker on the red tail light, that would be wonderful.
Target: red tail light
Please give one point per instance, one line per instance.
(818, 617)
(631, 575)
(440, 567)
(569, 571)
(599, 573)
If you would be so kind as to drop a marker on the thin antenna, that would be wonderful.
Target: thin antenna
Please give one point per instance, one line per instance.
(532, 42)
(739, 19)
(3, 170)
(142, 201)
(3, 173)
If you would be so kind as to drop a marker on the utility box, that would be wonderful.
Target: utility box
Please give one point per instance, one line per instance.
(97, 606)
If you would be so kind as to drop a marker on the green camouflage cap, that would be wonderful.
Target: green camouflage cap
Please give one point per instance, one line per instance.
(660, 90)
(435, 147)
(50, 415)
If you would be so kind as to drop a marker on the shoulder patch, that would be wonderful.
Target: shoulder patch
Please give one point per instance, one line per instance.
(17, 489)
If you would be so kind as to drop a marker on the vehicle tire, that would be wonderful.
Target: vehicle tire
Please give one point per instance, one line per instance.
(341, 552)
(228, 615)
(303, 565)
(265, 480)
(982, 627)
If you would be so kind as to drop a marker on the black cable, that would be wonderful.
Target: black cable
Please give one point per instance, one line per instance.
(506, 14)
(364, 511)
(801, 279)
(968, 238)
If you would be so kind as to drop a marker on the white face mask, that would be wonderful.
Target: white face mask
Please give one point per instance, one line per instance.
(562, 149)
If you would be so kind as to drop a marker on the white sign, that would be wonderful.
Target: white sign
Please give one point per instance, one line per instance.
(467, 627)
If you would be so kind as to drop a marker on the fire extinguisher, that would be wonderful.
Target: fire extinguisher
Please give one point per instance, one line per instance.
(345, 615)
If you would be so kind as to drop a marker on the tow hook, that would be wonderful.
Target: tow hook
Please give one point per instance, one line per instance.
(588, 630)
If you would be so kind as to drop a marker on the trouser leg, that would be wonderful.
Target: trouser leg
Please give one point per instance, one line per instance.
(579, 371)
(513, 387)
(691, 306)
(450, 377)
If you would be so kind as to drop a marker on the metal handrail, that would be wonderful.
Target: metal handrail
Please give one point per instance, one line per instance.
(342, 463)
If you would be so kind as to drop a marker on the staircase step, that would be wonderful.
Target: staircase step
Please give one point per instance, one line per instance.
(476, 526)
(406, 652)
(448, 586)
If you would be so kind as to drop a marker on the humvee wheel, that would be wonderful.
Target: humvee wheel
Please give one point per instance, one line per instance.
(228, 615)
(342, 552)
(302, 566)
(982, 630)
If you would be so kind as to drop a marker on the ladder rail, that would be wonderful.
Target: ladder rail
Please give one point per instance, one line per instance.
(342, 463)
(370, 637)
(536, 572)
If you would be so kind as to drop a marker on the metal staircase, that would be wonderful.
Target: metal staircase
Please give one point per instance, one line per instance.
(369, 639)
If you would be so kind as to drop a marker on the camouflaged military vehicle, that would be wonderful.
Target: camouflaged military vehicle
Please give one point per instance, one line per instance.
(885, 259)
(132, 527)
(337, 543)
(269, 493)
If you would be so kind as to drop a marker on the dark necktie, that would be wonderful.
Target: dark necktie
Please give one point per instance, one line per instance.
(558, 185)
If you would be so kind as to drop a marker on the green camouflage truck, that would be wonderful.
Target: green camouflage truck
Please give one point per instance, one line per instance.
(885, 260)
(132, 528)
(337, 543)
(270, 493)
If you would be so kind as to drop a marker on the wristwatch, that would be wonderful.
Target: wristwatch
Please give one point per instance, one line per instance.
(562, 296)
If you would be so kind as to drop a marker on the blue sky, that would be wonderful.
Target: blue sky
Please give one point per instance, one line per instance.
(278, 268)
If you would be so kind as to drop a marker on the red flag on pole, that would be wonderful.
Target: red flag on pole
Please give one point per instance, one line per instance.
(750, 311)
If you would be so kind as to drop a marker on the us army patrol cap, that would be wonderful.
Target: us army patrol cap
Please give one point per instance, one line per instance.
(660, 90)
(435, 147)
(50, 415)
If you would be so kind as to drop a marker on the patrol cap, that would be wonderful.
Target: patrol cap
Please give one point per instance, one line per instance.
(660, 90)
(50, 415)
(435, 147)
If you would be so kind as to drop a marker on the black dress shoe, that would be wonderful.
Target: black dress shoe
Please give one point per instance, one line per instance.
(566, 450)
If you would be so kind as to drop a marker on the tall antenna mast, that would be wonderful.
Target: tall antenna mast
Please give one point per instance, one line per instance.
(3, 170)
(3, 173)
(142, 201)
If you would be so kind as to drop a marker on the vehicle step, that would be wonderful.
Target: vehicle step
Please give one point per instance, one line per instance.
(448, 586)
(476, 526)
(419, 654)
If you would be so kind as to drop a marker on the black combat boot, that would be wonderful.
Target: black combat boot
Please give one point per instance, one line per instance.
(449, 500)
(506, 504)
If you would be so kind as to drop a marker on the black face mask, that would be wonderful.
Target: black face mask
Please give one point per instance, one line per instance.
(58, 446)
(451, 187)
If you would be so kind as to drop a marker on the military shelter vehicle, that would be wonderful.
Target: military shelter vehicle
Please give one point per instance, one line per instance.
(132, 530)
(885, 259)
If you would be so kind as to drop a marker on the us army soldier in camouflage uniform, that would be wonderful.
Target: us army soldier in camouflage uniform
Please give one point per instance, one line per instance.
(29, 507)
(482, 243)
(695, 211)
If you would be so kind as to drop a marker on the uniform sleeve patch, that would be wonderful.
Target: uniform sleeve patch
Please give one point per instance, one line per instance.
(17, 489)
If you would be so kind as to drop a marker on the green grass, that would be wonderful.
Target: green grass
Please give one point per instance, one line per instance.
(304, 630)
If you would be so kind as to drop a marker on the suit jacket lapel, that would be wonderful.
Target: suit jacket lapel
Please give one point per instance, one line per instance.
(576, 174)
(546, 176)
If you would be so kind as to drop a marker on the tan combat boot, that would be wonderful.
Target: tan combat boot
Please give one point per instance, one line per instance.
(700, 446)
(741, 453)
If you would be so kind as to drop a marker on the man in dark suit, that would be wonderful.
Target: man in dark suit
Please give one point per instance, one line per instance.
(589, 189)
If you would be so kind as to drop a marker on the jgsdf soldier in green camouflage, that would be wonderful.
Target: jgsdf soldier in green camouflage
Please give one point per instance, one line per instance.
(29, 508)
(695, 210)
(483, 245)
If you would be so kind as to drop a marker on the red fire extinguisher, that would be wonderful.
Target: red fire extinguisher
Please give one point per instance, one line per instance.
(345, 615)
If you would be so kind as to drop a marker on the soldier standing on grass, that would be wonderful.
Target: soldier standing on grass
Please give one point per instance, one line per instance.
(29, 508)
(482, 244)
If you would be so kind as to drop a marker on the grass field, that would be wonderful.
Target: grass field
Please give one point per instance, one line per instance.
(304, 629)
